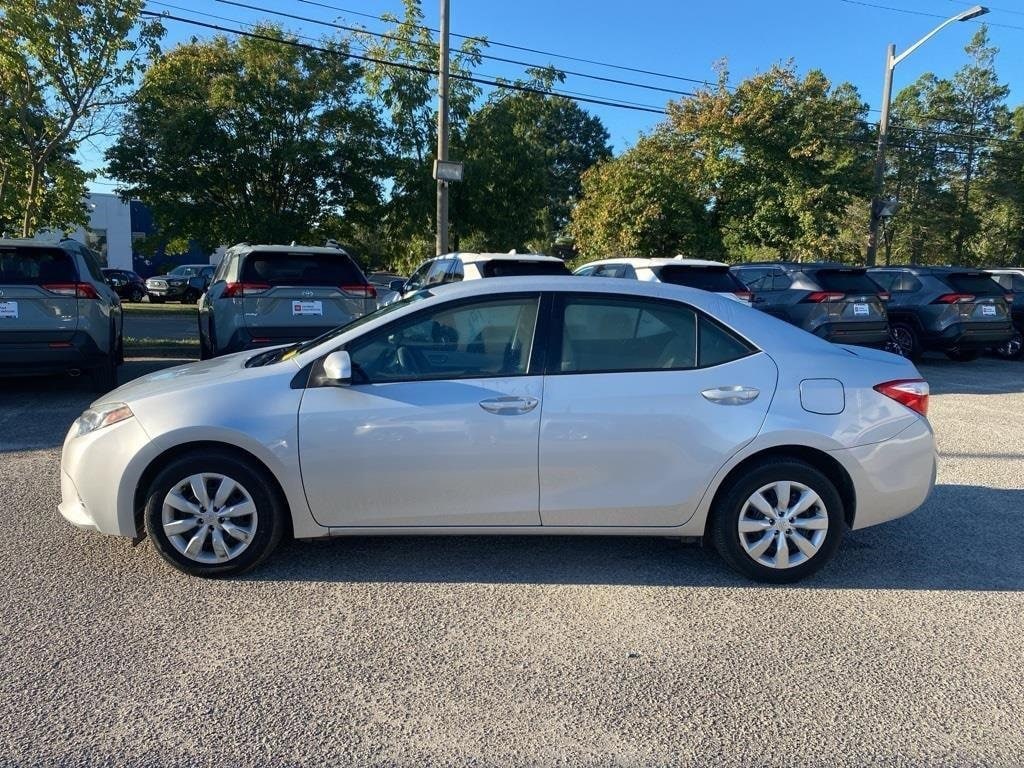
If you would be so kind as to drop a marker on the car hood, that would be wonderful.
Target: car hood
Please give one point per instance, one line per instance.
(168, 277)
(181, 377)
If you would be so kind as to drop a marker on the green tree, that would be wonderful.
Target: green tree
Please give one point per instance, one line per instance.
(525, 154)
(1002, 199)
(67, 67)
(257, 139)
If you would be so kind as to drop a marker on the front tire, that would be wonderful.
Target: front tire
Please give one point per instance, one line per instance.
(213, 514)
(780, 521)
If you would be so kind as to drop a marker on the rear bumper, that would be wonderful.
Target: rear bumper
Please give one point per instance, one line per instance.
(42, 355)
(971, 335)
(255, 338)
(867, 333)
(892, 478)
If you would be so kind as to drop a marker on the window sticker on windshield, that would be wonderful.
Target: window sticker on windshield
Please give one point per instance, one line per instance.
(861, 309)
(8, 310)
(307, 308)
(988, 309)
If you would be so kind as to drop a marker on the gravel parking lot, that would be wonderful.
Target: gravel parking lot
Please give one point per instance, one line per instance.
(522, 651)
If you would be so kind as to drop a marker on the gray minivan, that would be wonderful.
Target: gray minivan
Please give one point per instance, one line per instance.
(263, 295)
(57, 313)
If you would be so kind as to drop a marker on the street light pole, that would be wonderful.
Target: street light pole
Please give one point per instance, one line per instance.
(442, 130)
(891, 60)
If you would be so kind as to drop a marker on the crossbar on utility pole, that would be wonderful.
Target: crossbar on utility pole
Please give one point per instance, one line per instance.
(442, 130)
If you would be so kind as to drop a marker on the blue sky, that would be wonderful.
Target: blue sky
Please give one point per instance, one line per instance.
(844, 38)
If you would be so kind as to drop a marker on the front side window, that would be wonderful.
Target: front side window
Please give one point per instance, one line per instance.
(478, 340)
(417, 278)
(438, 272)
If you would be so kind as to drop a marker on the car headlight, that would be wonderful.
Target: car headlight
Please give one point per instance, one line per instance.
(99, 417)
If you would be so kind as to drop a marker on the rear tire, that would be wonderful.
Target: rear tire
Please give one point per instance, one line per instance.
(137, 295)
(963, 355)
(229, 541)
(810, 536)
(103, 377)
(905, 337)
(1011, 349)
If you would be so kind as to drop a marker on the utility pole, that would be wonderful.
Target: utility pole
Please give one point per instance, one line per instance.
(883, 140)
(442, 130)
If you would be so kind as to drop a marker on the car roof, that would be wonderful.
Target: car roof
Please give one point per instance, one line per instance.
(473, 258)
(918, 269)
(656, 262)
(17, 242)
(800, 266)
(290, 247)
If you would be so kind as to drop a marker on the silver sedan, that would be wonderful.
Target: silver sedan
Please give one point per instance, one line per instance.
(528, 405)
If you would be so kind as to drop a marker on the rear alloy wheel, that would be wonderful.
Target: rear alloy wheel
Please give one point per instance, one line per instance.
(1011, 348)
(904, 337)
(779, 522)
(211, 514)
(136, 295)
(963, 355)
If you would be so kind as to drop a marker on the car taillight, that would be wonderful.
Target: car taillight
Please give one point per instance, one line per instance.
(743, 295)
(819, 296)
(1008, 297)
(79, 290)
(954, 298)
(366, 291)
(238, 290)
(884, 295)
(912, 393)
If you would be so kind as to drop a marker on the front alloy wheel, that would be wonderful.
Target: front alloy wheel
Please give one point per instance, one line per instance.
(214, 513)
(209, 518)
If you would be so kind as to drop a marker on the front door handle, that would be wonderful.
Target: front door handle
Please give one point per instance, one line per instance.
(734, 395)
(509, 405)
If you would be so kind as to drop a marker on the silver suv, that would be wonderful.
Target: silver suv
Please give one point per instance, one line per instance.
(57, 313)
(262, 295)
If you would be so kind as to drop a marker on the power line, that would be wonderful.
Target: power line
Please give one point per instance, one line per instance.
(917, 13)
(491, 57)
(411, 67)
(512, 46)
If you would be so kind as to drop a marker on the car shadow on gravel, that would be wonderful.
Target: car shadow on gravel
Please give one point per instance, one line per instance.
(965, 538)
(36, 411)
(984, 376)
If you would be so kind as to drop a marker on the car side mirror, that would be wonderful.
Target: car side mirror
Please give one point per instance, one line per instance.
(398, 286)
(337, 369)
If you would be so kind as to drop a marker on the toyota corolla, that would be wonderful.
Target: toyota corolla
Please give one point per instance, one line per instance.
(527, 405)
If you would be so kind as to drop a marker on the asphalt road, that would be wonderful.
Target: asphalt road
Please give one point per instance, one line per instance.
(523, 651)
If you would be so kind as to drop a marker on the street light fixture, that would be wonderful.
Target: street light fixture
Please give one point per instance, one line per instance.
(891, 60)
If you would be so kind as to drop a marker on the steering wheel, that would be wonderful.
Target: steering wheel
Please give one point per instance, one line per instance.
(411, 361)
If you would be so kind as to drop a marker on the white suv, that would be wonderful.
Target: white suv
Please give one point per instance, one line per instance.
(453, 267)
(713, 276)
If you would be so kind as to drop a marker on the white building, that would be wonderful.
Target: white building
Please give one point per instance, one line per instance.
(109, 231)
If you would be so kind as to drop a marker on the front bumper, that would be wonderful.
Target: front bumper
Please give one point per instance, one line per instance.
(99, 474)
(894, 477)
(39, 353)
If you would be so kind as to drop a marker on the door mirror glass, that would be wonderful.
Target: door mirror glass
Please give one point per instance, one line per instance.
(398, 286)
(337, 369)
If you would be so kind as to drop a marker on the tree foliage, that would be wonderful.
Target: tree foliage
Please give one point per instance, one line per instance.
(66, 68)
(251, 140)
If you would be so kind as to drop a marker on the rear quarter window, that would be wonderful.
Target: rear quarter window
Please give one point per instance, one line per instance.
(715, 279)
(297, 268)
(512, 268)
(717, 345)
(37, 266)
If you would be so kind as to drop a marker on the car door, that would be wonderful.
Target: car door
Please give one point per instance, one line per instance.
(440, 425)
(645, 399)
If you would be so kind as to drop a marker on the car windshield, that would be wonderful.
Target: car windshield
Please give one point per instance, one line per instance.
(286, 353)
(846, 281)
(715, 279)
(184, 271)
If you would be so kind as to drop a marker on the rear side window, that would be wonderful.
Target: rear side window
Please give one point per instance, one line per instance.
(624, 271)
(977, 283)
(845, 281)
(287, 268)
(1013, 283)
(715, 279)
(885, 280)
(36, 266)
(718, 345)
(512, 268)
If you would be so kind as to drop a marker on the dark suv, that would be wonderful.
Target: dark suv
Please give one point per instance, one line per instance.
(839, 303)
(185, 284)
(956, 310)
(1012, 281)
(128, 285)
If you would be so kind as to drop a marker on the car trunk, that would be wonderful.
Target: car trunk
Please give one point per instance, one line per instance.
(976, 297)
(38, 295)
(288, 291)
(848, 296)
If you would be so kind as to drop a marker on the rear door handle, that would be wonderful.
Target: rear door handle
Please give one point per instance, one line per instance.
(735, 395)
(509, 405)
